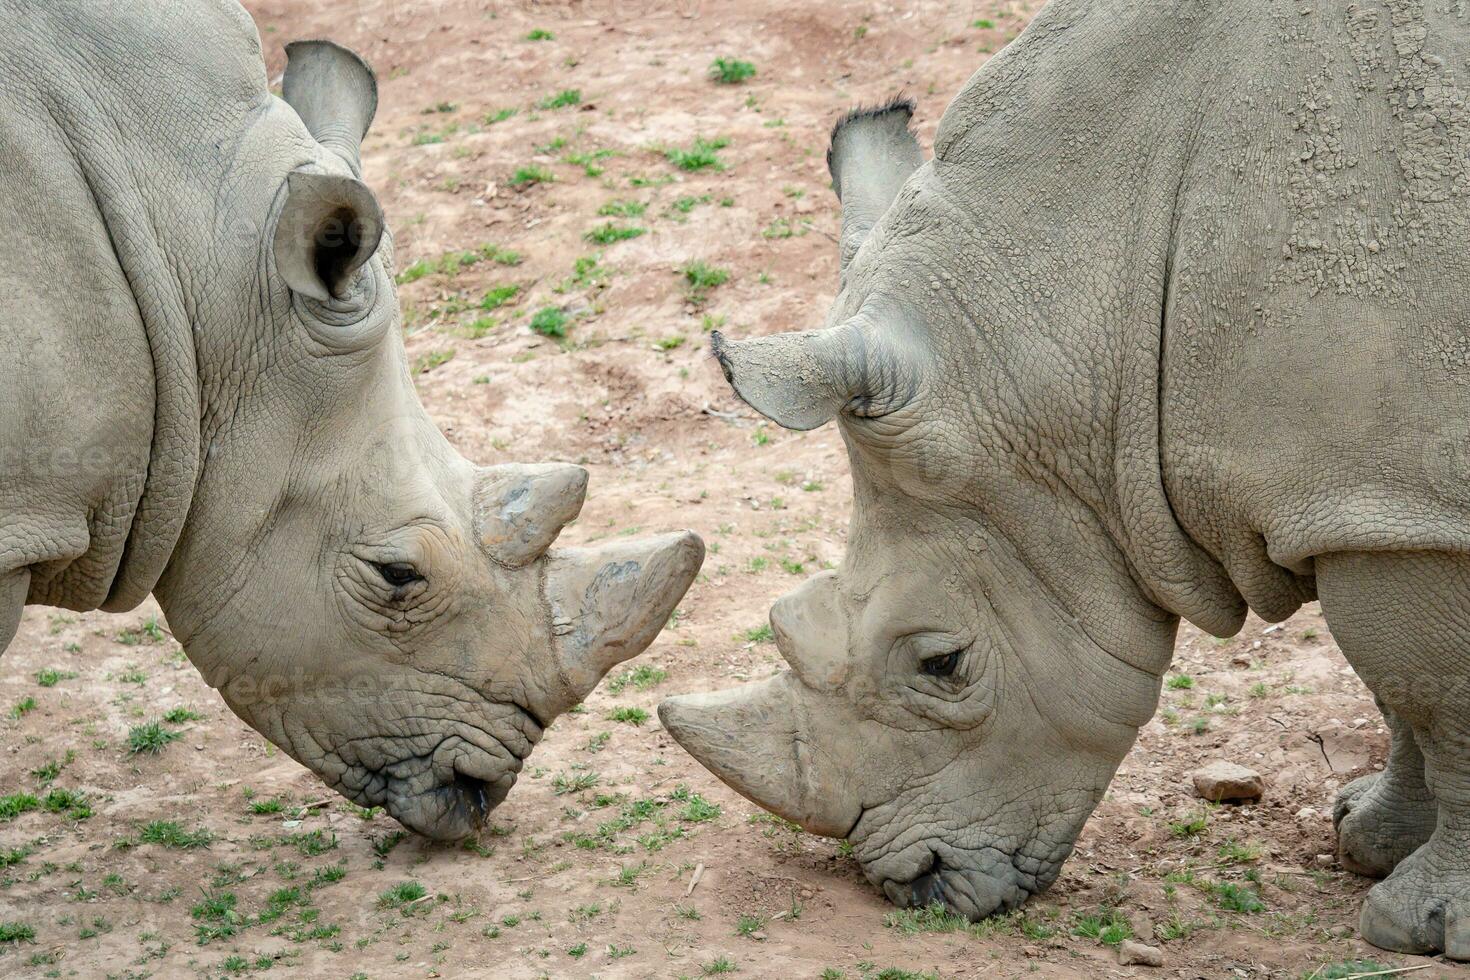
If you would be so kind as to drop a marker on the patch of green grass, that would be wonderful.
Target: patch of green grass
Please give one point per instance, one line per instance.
(499, 296)
(702, 154)
(749, 925)
(933, 918)
(1238, 898)
(578, 951)
(267, 806)
(628, 875)
(550, 321)
(23, 707)
(628, 716)
(717, 966)
(563, 784)
(696, 808)
(669, 343)
(430, 360)
(1232, 852)
(564, 99)
(530, 176)
(1348, 968)
(50, 677)
(401, 894)
(731, 71)
(701, 277)
(178, 716)
(17, 932)
(171, 835)
(641, 678)
(499, 116)
(622, 209)
(1108, 926)
(760, 634)
(15, 804)
(1190, 827)
(1180, 682)
(610, 233)
(150, 739)
(67, 802)
(540, 34)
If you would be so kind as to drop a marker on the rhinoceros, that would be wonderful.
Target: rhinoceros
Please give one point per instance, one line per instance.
(1174, 323)
(206, 398)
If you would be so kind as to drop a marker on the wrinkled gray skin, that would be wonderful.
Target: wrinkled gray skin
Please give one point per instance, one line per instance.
(206, 397)
(1173, 323)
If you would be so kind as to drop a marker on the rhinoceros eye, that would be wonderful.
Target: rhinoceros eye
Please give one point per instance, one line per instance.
(399, 573)
(941, 666)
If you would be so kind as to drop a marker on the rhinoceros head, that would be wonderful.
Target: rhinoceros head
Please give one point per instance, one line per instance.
(390, 615)
(945, 711)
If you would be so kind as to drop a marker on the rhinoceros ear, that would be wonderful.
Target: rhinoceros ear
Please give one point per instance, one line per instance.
(801, 380)
(873, 152)
(328, 228)
(334, 92)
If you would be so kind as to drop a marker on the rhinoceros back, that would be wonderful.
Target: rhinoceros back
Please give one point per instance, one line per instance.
(1316, 377)
(109, 113)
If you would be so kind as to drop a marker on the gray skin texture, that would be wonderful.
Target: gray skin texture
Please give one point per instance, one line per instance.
(1173, 324)
(207, 398)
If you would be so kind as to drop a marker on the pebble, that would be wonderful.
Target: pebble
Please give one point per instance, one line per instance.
(1137, 954)
(1326, 860)
(1222, 781)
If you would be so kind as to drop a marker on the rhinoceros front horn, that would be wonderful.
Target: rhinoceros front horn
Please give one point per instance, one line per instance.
(521, 508)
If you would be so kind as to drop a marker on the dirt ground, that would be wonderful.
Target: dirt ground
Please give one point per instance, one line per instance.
(219, 856)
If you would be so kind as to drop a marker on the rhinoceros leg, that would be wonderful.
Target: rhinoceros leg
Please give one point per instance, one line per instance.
(13, 589)
(1384, 817)
(1403, 620)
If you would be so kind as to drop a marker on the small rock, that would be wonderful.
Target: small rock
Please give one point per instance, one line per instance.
(1137, 954)
(1326, 860)
(1343, 932)
(1143, 928)
(1306, 813)
(1221, 781)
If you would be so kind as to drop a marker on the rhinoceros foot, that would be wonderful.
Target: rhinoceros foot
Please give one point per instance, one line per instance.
(1379, 824)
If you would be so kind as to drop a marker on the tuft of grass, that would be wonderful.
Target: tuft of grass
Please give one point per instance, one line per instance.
(701, 277)
(717, 966)
(178, 716)
(17, 932)
(540, 34)
(562, 784)
(628, 716)
(702, 154)
(731, 71)
(530, 176)
(1180, 682)
(68, 802)
(696, 808)
(499, 296)
(427, 362)
(23, 707)
(749, 925)
(50, 677)
(401, 894)
(549, 321)
(499, 116)
(641, 678)
(1192, 827)
(1348, 968)
(622, 209)
(171, 835)
(1108, 926)
(1238, 898)
(610, 233)
(564, 99)
(15, 804)
(150, 739)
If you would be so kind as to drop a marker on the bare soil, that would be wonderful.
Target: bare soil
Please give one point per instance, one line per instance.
(590, 866)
